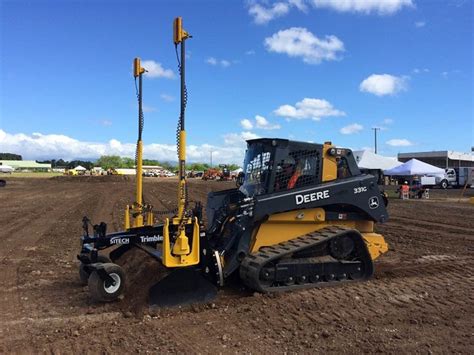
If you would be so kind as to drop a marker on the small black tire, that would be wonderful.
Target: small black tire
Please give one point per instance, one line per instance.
(84, 273)
(444, 184)
(98, 289)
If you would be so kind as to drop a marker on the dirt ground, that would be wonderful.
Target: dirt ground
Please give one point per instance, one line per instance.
(421, 299)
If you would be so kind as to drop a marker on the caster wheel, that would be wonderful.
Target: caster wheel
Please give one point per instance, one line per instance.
(103, 291)
(84, 273)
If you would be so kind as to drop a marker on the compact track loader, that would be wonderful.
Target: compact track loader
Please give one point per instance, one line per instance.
(301, 216)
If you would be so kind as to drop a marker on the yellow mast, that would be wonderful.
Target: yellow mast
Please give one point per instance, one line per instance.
(137, 207)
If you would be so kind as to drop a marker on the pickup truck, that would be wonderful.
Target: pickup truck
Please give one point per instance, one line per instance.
(455, 177)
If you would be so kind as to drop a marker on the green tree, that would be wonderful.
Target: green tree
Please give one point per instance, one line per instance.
(151, 162)
(197, 166)
(233, 167)
(109, 162)
(10, 156)
(128, 163)
(60, 163)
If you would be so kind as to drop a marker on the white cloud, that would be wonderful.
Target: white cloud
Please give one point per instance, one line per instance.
(222, 62)
(447, 74)
(167, 98)
(351, 129)
(249, 135)
(419, 24)
(250, 52)
(388, 121)
(382, 7)
(238, 139)
(225, 63)
(299, 42)
(55, 146)
(263, 12)
(399, 142)
(246, 124)
(156, 70)
(149, 108)
(383, 84)
(299, 4)
(420, 70)
(106, 123)
(314, 109)
(262, 15)
(211, 61)
(262, 123)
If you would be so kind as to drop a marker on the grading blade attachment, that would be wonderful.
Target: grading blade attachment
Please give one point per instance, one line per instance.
(182, 287)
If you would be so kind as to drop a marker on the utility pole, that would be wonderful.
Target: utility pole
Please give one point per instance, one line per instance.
(375, 137)
(211, 158)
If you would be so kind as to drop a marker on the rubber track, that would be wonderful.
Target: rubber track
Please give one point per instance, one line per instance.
(253, 263)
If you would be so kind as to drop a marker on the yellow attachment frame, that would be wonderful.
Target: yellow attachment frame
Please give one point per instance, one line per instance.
(140, 217)
(181, 255)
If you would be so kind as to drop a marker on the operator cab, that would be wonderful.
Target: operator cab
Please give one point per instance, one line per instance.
(276, 165)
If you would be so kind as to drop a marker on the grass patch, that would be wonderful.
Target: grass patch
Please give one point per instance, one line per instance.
(31, 175)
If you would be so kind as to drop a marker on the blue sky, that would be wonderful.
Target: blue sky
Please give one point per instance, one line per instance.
(310, 70)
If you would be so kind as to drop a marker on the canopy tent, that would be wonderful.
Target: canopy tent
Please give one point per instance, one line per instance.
(414, 167)
(80, 168)
(367, 160)
(6, 169)
(237, 171)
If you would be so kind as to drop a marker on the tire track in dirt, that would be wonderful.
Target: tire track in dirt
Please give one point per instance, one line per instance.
(28, 247)
(60, 242)
(57, 247)
(418, 301)
(421, 224)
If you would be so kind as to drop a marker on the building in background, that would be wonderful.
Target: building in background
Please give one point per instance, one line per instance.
(26, 165)
(442, 159)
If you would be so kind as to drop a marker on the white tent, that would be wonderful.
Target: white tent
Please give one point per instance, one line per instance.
(237, 171)
(367, 160)
(80, 168)
(414, 167)
(6, 169)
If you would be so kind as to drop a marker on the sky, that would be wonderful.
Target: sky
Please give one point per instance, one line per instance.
(307, 70)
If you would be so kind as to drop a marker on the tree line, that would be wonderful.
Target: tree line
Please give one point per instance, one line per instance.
(10, 156)
(115, 161)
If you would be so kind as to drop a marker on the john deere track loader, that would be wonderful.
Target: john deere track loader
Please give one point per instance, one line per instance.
(301, 216)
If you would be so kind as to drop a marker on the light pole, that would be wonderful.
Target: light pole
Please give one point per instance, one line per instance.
(375, 137)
